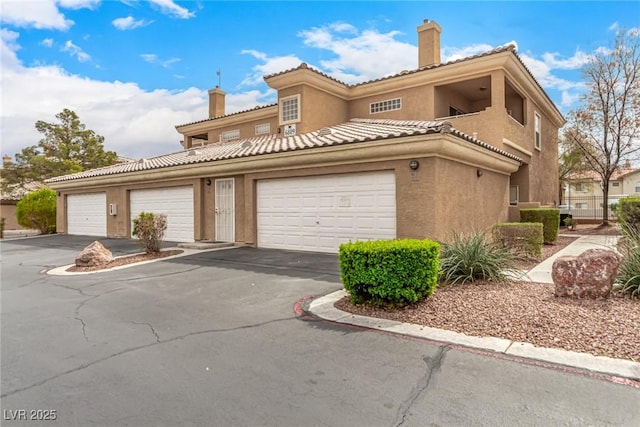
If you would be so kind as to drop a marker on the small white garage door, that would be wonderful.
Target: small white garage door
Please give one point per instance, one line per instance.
(319, 213)
(175, 202)
(87, 214)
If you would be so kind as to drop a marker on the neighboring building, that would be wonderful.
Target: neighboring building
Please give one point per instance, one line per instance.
(447, 146)
(583, 195)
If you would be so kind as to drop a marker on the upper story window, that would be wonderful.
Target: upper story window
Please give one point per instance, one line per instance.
(615, 183)
(581, 186)
(388, 105)
(230, 135)
(290, 109)
(538, 133)
(263, 129)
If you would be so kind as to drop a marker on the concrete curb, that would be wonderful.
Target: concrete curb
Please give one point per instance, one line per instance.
(62, 270)
(323, 307)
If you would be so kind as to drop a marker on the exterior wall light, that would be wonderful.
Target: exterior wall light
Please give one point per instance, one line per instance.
(414, 165)
(208, 181)
(479, 172)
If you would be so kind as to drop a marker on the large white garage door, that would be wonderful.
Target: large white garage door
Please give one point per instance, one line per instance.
(319, 213)
(87, 214)
(175, 202)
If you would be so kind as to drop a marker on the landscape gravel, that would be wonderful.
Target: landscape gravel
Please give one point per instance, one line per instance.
(527, 312)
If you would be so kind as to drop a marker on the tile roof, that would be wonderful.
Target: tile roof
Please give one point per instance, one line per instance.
(594, 176)
(259, 107)
(354, 131)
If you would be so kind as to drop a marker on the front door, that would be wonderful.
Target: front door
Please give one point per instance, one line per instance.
(225, 210)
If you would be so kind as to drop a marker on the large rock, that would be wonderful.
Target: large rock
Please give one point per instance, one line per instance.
(94, 255)
(588, 275)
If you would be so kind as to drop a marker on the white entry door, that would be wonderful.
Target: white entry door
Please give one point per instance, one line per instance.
(225, 210)
(318, 213)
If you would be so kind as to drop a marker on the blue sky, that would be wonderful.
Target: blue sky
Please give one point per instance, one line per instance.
(132, 70)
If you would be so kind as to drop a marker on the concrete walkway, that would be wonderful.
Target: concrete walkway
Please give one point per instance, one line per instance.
(324, 308)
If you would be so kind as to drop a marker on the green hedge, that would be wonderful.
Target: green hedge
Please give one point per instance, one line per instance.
(521, 238)
(389, 272)
(629, 214)
(550, 219)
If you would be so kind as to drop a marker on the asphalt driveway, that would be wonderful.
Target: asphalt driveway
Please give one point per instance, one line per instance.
(213, 339)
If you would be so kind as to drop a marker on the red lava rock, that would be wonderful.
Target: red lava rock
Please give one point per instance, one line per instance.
(94, 255)
(588, 275)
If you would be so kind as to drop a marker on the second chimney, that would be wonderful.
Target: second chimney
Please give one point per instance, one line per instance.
(216, 102)
(428, 44)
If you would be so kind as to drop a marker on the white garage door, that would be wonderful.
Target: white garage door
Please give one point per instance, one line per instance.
(87, 214)
(318, 213)
(175, 202)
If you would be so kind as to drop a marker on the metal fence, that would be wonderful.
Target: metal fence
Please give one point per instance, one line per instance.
(589, 207)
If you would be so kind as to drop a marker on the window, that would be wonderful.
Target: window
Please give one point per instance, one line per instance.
(454, 111)
(388, 105)
(580, 186)
(230, 135)
(538, 135)
(263, 129)
(638, 187)
(582, 205)
(513, 195)
(290, 109)
(615, 183)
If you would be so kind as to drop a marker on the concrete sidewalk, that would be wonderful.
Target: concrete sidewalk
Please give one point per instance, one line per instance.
(324, 308)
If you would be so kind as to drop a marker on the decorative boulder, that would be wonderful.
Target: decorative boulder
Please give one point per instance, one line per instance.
(588, 275)
(94, 255)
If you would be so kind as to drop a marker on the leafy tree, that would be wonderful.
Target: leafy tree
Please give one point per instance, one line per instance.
(37, 211)
(149, 228)
(66, 147)
(606, 128)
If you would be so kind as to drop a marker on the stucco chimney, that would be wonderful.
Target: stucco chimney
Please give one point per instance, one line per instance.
(428, 43)
(6, 160)
(216, 102)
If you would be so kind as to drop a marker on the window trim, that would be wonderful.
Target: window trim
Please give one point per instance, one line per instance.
(537, 131)
(235, 134)
(266, 127)
(281, 110)
(393, 104)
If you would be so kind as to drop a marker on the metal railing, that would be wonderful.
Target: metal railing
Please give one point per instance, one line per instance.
(589, 207)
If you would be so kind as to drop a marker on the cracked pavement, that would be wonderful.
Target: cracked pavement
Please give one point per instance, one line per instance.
(213, 339)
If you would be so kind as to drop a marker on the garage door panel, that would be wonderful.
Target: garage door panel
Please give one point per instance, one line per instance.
(175, 202)
(320, 212)
(87, 214)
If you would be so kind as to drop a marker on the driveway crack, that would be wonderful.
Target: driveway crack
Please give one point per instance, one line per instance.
(140, 347)
(150, 326)
(434, 365)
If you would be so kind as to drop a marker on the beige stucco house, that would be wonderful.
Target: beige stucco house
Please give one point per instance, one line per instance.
(443, 147)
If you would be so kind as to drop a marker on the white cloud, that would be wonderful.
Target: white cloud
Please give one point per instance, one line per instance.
(152, 58)
(357, 55)
(42, 14)
(454, 54)
(79, 4)
(170, 8)
(76, 51)
(575, 62)
(134, 122)
(270, 65)
(47, 42)
(128, 23)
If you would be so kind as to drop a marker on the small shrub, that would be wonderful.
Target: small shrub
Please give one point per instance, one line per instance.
(2, 225)
(474, 257)
(389, 272)
(550, 219)
(520, 238)
(570, 223)
(37, 211)
(628, 277)
(149, 228)
(629, 214)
